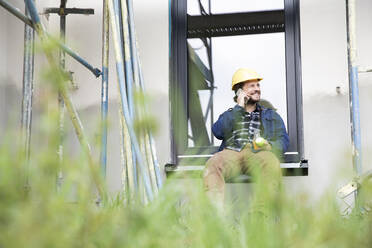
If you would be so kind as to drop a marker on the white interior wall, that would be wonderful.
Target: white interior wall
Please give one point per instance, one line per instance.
(15, 32)
(326, 114)
(3, 64)
(324, 67)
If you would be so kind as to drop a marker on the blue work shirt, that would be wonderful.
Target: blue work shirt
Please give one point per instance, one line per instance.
(272, 128)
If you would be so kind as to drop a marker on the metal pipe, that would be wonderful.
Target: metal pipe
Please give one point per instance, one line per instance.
(132, 167)
(128, 162)
(70, 107)
(124, 101)
(68, 11)
(77, 57)
(212, 83)
(132, 39)
(159, 177)
(62, 23)
(353, 88)
(125, 178)
(132, 69)
(138, 71)
(16, 12)
(128, 64)
(61, 104)
(150, 163)
(104, 90)
(27, 93)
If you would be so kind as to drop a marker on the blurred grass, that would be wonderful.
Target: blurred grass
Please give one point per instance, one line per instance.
(180, 216)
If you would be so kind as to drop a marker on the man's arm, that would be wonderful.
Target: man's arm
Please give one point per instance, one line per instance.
(221, 127)
(281, 142)
(218, 128)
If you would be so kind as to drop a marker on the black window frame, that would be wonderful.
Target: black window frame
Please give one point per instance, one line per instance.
(178, 75)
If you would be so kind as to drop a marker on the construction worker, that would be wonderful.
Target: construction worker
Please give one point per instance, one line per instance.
(253, 140)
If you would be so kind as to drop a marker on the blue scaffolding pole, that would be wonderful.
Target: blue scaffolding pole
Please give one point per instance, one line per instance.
(353, 88)
(104, 91)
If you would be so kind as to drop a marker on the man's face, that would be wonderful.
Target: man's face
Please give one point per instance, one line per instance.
(252, 89)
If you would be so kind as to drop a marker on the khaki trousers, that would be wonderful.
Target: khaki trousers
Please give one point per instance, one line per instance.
(263, 166)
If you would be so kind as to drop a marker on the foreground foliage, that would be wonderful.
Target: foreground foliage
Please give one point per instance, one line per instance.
(179, 217)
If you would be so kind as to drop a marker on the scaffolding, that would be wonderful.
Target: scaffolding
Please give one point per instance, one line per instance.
(141, 173)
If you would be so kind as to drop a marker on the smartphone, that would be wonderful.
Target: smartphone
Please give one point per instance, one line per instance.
(245, 98)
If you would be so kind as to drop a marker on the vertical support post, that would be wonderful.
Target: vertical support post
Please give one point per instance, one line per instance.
(129, 73)
(131, 161)
(62, 23)
(212, 74)
(353, 88)
(61, 104)
(124, 99)
(138, 76)
(69, 106)
(104, 91)
(27, 92)
(128, 59)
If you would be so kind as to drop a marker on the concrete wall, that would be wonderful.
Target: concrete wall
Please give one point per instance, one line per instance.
(324, 67)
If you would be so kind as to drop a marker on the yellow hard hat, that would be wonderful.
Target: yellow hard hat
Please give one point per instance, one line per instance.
(244, 74)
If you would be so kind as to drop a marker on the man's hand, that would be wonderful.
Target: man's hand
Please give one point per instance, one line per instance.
(262, 144)
(266, 146)
(242, 98)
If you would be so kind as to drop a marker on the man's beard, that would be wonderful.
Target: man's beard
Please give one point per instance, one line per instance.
(252, 101)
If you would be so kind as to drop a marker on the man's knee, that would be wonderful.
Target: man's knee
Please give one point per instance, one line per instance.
(265, 160)
(271, 164)
(213, 165)
(271, 158)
